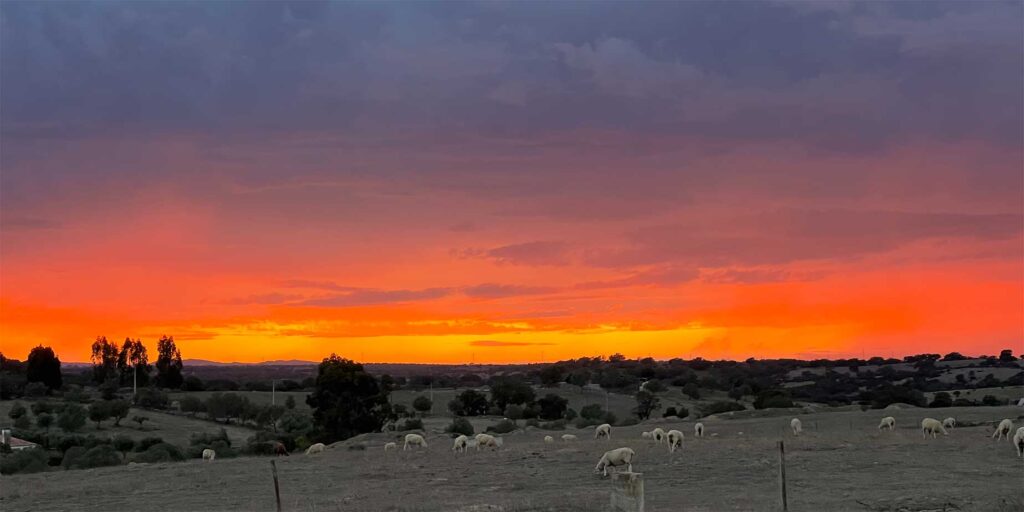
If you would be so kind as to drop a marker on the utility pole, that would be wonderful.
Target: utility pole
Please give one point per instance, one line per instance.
(431, 395)
(135, 382)
(273, 391)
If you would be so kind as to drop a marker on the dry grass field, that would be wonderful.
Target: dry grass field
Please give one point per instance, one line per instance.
(842, 462)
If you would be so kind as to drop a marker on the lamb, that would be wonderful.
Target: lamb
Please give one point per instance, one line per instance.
(658, 434)
(949, 423)
(1003, 429)
(316, 448)
(460, 444)
(568, 437)
(414, 440)
(1018, 441)
(390, 447)
(797, 426)
(604, 430)
(646, 436)
(549, 439)
(675, 440)
(887, 422)
(279, 449)
(932, 426)
(209, 455)
(486, 440)
(698, 430)
(616, 457)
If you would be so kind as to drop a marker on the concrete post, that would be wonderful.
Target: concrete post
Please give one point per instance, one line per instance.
(627, 492)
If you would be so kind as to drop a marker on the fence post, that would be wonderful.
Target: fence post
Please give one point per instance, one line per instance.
(277, 490)
(782, 476)
(627, 492)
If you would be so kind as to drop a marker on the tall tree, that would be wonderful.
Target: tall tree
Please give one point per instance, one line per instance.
(347, 400)
(44, 366)
(133, 363)
(168, 364)
(104, 360)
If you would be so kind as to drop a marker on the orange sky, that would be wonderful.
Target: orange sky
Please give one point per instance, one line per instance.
(507, 182)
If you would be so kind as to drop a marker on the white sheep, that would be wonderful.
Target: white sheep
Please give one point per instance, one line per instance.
(887, 422)
(390, 447)
(698, 430)
(414, 440)
(549, 439)
(487, 440)
(315, 448)
(209, 455)
(616, 457)
(659, 435)
(675, 440)
(647, 436)
(1018, 441)
(797, 426)
(603, 430)
(568, 437)
(460, 444)
(949, 423)
(932, 426)
(1003, 429)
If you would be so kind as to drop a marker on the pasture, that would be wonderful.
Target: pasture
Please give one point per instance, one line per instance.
(841, 462)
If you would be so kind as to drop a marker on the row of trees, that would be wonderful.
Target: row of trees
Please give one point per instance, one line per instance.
(130, 364)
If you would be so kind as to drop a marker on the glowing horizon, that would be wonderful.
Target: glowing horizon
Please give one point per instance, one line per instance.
(456, 183)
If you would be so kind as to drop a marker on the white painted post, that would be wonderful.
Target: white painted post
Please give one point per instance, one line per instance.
(627, 492)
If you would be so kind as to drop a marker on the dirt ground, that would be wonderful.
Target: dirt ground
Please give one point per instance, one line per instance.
(842, 462)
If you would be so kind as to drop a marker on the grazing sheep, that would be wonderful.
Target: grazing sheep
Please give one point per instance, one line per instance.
(414, 440)
(1003, 429)
(1018, 441)
(390, 447)
(949, 423)
(209, 455)
(460, 444)
(698, 430)
(887, 422)
(487, 440)
(616, 457)
(316, 448)
(604, 430)
(932, 426)
(279, 449)
(658, 434)
(549, 439)
(797, 426)
(647, 436)
(675, 440)
(568, 437)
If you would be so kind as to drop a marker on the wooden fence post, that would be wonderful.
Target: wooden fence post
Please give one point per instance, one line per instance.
(277, 490)
(782, 476)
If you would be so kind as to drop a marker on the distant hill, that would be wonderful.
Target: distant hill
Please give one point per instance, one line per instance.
(277, 362)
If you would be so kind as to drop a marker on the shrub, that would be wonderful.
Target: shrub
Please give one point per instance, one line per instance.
(295, 422)
(192, 383)
(24, 461)
(411, 424)
(72, 418)
(264, 436)
(153, 398)
(23, 422)
(502, 427)
(146, 442)
(124, 444)
(191, 404)
(160, 452)
(553, 425)
(41, 407)
(552, 407)
(206, 439)
(460, 426)
(772, 398)
(570, 414)
(592, 412)
(691, 390)
(533, 422)
(223, 449)
(671, 411)
(17, 410)
(422, 404)
(991, 400)
(720, 407)
(942, 399)
(36, 389)
(44, 421)
(627, 422)
(98, 456)
(469, 403)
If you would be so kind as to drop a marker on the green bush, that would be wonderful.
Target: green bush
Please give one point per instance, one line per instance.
(41, 407)
(502, 427)
(553, 425)
(207, 439)
(160, 452)
(153, 398)
(460, 426)
(671, 411)
(24, 461)
(720, 407)
(410, 424)
(100, 455)
(17, 411)
(72, 418)
(146, 442)
(224, 450)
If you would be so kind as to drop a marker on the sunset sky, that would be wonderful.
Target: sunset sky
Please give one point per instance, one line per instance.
(496, 182)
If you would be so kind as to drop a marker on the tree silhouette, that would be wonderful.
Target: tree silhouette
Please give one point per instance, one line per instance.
(133, 363)
(104, 360)
(44, 366)
(347, 400)
(168, 364)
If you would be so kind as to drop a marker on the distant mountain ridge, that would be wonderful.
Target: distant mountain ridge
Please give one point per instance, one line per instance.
(276, 362)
